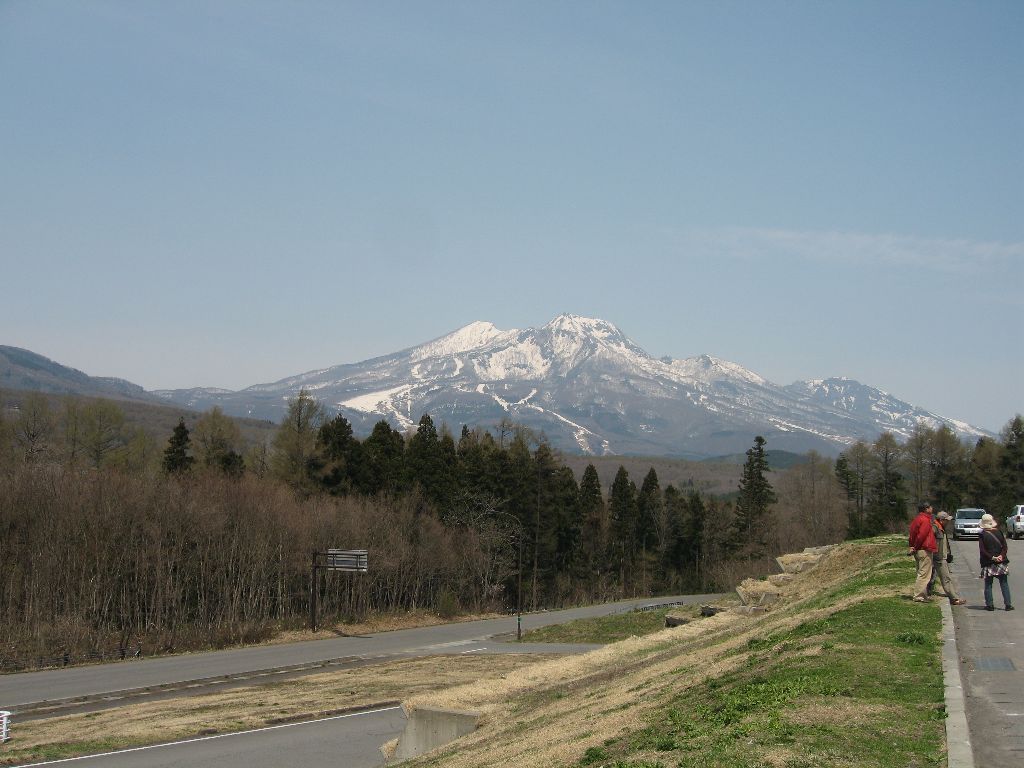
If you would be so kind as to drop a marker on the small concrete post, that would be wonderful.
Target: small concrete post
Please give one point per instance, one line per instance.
(5, 726)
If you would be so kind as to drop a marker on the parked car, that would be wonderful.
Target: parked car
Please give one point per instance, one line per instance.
(967, 523)
(1015, 522)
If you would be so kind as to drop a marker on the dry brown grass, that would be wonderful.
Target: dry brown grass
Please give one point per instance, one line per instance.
(549, 713)
(256, 706)
(821, 710)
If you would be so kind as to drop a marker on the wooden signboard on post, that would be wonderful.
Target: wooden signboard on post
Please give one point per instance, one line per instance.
(351, 560)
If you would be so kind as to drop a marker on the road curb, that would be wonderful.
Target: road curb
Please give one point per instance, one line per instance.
(958, 737)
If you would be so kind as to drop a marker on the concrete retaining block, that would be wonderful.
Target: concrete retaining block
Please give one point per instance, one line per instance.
(757, 592)
(427, 728)
(822, 550)
(797, 563)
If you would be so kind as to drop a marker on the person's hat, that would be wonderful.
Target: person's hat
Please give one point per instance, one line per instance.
(923, 506)
(988, 522)
(943, 515)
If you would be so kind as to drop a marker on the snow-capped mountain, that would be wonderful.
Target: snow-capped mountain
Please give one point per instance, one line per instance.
(590, 389)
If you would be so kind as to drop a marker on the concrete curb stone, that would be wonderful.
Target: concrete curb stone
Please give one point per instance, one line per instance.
(958, 737)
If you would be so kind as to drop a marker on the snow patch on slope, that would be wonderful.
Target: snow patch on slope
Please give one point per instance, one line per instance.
(709, 370)
(524, 360)
(395, 402)
(473, 336)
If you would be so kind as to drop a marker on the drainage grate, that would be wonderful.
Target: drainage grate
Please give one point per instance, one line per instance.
(993, 665)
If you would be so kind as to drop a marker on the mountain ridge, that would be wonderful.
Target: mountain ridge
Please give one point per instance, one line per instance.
(590, 389)
(581, 381)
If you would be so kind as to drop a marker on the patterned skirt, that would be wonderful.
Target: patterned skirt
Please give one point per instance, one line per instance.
(996, 569)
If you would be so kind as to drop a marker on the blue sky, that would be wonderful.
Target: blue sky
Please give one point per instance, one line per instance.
(227, 193)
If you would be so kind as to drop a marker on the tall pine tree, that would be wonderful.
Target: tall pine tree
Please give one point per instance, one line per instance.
(176, 455)
(622, 514)
(750, 525)
(594, 515)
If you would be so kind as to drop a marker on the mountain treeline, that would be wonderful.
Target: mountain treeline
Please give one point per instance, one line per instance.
(881, 481)
(110, 536)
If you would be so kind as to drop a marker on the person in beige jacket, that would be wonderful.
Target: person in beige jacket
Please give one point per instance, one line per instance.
(942, 557)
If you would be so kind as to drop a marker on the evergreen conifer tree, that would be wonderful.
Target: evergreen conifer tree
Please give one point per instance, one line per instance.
(755, 498)
(430, 462)
(622, 518)
(984, 473)
(594, 515)
(176, 455)
(338, 446)
(649, 524)
(886, 498)
(383, 456)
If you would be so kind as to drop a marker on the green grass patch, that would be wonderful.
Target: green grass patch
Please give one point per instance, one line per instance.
(860, 687)
(15, 756)
(601, 629)
(886, 566)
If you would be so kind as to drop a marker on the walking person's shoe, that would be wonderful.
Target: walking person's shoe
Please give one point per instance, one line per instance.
(958, 601)
(1009, 607)
(921, 599)
(990, 607)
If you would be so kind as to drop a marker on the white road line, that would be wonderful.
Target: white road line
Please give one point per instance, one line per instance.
(472, 650)
(209, 738)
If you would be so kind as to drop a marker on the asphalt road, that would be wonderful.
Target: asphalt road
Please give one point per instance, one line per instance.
(27, 689)
(345, 741)
(991, 649)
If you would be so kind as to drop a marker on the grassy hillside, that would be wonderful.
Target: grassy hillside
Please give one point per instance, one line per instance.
(844, 671)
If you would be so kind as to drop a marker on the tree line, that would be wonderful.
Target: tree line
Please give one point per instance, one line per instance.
(882, 480)
(107, 535)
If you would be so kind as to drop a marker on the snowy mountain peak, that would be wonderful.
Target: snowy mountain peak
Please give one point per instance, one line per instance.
(466, 339)
(587, 387)
(584, 326)
(706, 369)
(572, 333)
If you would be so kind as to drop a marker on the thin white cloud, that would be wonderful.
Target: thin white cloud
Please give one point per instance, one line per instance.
(947, 255)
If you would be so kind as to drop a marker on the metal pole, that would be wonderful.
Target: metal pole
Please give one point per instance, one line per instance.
(312, 596)
(519, 591)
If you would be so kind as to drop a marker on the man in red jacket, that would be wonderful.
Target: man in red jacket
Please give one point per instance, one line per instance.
(922, 547)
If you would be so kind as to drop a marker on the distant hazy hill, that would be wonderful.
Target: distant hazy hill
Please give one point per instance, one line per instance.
(22, 369)
(777, 460)
(158, 419)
